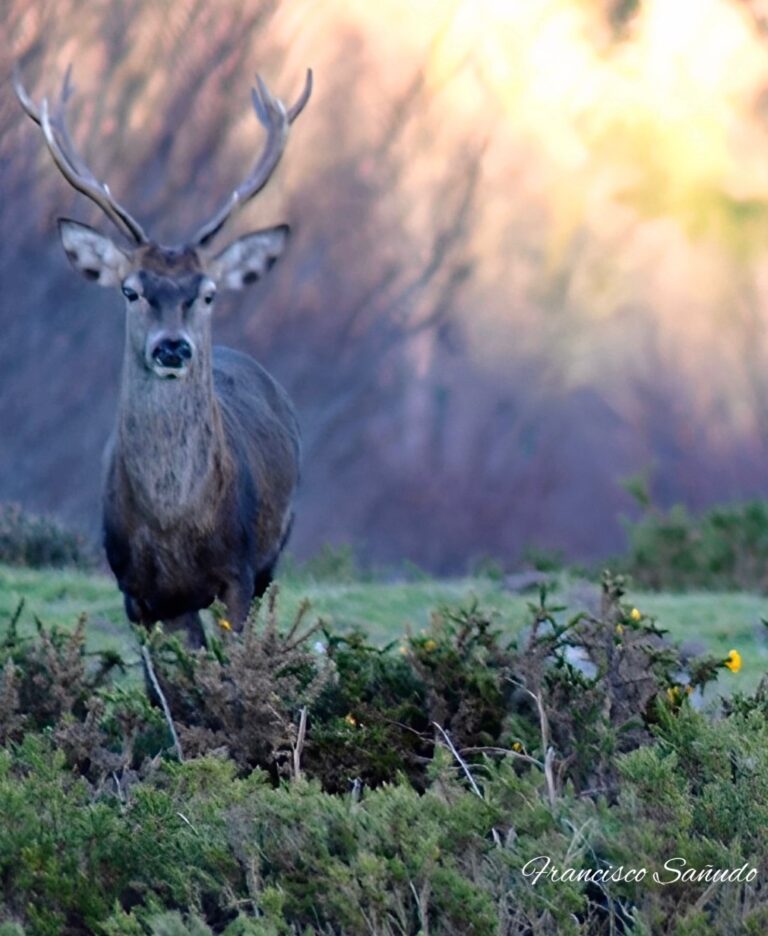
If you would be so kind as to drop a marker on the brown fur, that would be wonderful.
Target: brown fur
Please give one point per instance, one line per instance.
(203, 462)
(198, 490)
(168, 261)
(200, 470)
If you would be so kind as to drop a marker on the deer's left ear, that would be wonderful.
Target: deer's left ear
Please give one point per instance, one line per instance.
(95, 256)
(248, 258)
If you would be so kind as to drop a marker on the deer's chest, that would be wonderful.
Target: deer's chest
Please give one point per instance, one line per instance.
(170, 573)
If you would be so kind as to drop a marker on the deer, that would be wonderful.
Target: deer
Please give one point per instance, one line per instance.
(201, 468)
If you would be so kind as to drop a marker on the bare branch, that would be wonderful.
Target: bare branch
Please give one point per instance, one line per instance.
(463, 764)
(299, 746)
(549, 751)
(150, 671)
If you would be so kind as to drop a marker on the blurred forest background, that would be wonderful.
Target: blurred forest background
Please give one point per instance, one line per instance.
(530, 253)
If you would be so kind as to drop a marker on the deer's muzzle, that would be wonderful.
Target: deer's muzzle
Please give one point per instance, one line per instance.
(172, 353)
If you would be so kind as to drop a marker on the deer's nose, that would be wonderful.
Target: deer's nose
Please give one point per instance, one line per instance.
(172, 352)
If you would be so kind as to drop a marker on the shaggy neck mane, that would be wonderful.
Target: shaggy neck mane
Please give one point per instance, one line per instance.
(170, 440)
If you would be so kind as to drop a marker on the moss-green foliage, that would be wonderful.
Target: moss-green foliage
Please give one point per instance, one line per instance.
(698, 796)
(431, 773)
(37, 542)
(370, 723)
(725, 547)
(335, 564)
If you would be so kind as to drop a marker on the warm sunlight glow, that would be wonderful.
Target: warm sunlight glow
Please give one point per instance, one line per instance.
(657, 103)
(647, 137)
(661, 99)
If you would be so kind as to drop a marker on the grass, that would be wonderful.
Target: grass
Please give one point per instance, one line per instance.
(712, 622)
(718, 622)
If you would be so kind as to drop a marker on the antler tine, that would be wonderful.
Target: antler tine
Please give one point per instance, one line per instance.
(59, 123)
(25, 100)
(276, 120)
(67, 90)
(68, 160)
(298, 107)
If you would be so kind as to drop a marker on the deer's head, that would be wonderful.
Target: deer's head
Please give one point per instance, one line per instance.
(169, 292)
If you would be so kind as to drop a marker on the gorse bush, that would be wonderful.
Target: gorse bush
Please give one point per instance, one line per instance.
(370, 723)
(37, 542)
(243, 696)
(725, 547)
(332, 787)
(585, 686)
(47, 679)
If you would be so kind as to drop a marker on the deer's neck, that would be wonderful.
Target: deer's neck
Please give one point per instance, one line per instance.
(170, 442)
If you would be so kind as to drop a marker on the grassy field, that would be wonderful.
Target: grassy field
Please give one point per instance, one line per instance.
(709, 622)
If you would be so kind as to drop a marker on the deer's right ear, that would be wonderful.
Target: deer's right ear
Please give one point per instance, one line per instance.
(248, 258)
(93, 254)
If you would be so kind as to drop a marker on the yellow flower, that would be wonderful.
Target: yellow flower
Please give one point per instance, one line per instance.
(430, 645)
(224, 624)
(733, 662)
(619, 629)
(635, 615)
(516, 746)
(351, 720)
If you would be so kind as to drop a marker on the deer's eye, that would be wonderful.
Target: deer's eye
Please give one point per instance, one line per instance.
(130, 294)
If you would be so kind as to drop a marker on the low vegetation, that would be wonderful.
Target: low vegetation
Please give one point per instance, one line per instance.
(40, 542)
(722, 548)
(329, 785)
(351, 764)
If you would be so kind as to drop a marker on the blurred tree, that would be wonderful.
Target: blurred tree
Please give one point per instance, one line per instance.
(528, 256)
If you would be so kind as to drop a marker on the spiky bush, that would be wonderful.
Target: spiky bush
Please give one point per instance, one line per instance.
(431, 774)
(245, 694)
(29, 540)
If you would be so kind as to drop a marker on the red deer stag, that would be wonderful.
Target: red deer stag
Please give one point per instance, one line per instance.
(201, 468)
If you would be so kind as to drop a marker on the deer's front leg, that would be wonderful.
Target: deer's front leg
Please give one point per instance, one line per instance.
(189, 627)
(237, 596)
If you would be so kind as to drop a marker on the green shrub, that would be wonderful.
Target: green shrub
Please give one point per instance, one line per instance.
(430, 775)
(725, 547)
(336, 564)
(369, 723)
(698, 798)
(37, 542)
(194, 849)
(68, 852)
(584, 686)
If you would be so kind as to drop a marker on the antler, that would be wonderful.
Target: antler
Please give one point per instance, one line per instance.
(70, 163)
(276, 120)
